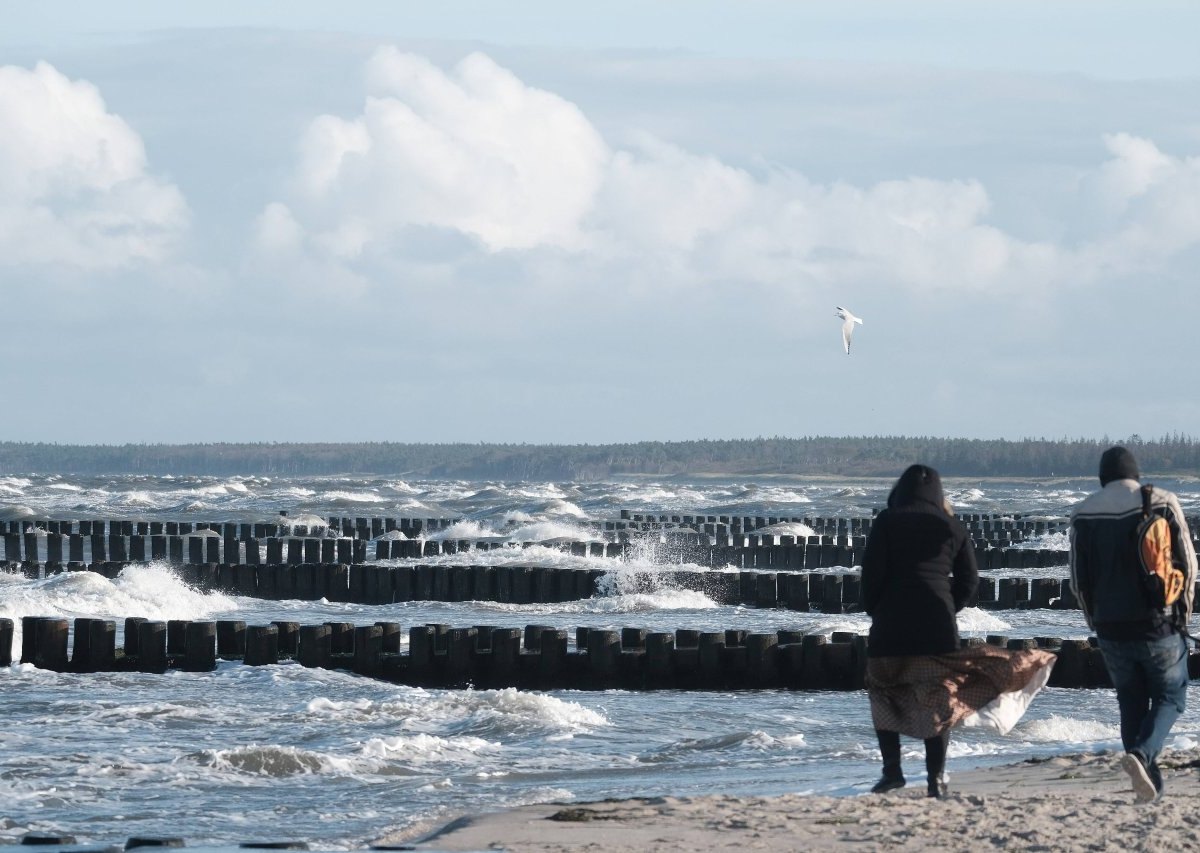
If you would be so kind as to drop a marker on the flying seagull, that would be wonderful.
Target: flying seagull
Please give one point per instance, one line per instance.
(848, 326)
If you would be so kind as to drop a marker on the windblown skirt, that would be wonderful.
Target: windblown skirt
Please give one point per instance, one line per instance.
(924, 695)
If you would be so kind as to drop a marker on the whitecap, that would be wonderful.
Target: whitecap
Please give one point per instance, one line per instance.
(344, 497)
(1059, 729)
(972, 620)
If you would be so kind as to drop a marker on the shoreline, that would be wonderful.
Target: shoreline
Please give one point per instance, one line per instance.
(1070, 802)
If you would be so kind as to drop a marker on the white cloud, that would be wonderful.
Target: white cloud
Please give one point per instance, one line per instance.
(1153, 205)
(74, 186)
(477, 151)
(1137, 165)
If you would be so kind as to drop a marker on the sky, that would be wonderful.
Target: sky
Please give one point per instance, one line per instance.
(539, 222)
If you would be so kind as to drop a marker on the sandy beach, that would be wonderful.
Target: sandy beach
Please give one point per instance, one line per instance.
(1078, 802)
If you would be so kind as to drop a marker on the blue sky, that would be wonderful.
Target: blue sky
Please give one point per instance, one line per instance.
(511, 222)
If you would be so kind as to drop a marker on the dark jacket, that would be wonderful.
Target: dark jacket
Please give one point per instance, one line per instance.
(918, 571)
(1105, 571)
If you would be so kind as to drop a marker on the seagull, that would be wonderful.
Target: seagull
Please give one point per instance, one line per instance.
(848, 326)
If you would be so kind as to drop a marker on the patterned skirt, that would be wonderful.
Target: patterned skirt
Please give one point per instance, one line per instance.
(924, 695)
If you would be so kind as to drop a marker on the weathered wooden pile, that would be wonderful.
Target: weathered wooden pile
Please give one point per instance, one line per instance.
(538, 656)
(387, 560)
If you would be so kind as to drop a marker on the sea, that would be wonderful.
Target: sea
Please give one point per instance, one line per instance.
(284, 753)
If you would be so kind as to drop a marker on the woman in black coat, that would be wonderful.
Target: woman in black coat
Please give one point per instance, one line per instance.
(918, 571)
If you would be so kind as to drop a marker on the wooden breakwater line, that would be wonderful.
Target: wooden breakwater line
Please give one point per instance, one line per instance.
(706, 539)
(536, 657)
(33, 548)
(992, 528)
(373, 583)
(988, 532)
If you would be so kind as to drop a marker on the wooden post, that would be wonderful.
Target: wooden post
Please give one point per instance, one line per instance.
(762, 660)
(231, 638)
(152, 646)
(368, 649)
(460, 656)
(711, 659)
(813, 664)
(7, 630)
(289, 638)
(421, 649)
(200, 646)
(604, 656)
(552, 660)
(505, 667)
(315, 649)
(262, 645)
(660, 649)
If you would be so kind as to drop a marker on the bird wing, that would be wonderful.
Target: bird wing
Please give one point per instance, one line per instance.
(847, 331)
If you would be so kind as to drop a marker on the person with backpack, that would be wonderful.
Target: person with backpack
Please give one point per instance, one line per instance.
(1133, 570)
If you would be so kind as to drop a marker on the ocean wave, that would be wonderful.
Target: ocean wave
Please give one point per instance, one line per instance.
(546, 531)
(345, 498)
(484, 714)
(644, 602)
(465, 529)
(15, 512)
(272, 761)
(756, 740)
(420, 749)
(972, 620)
(1060, 729)
(152, 591)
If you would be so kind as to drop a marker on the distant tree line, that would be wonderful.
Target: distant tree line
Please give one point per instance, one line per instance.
(851, 456)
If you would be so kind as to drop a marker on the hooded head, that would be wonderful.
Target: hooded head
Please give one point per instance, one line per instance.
(917, 483)
(1117, 463)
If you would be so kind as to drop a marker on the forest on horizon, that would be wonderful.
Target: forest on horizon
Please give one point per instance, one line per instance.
(867, 456)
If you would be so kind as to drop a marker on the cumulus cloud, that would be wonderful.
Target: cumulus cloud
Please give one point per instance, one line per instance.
(74, 185)
(518, 169)
(475, 150)
(1154, 203)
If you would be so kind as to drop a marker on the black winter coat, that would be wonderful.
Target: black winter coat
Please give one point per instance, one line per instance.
(918, 570)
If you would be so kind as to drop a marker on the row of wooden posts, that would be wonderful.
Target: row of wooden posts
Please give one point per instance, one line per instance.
(784, 552)
(683, 537)
(537, 656)
(377, 583)
(987, 531)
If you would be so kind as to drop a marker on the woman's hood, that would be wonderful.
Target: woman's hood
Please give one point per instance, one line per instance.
(917, 483)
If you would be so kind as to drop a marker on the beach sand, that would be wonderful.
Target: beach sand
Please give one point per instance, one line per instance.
(1067, 803)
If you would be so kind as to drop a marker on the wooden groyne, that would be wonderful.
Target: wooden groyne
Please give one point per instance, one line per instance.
(537, 656)
(707, 540)
(388, 583)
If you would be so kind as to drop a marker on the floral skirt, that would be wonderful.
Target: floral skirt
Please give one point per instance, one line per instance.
(924, 695)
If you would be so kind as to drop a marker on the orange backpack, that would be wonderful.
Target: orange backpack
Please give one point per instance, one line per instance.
(1164, 579)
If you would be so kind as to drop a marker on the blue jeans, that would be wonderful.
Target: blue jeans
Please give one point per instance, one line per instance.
(1151, 678)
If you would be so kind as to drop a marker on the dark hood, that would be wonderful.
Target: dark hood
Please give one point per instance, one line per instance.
(917, 483)
(1117, 463)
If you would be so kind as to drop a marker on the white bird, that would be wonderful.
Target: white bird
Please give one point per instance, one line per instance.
(848, 326)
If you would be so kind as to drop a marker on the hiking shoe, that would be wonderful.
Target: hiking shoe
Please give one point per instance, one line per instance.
(1144, 789)
(888, 783)
(938, 787)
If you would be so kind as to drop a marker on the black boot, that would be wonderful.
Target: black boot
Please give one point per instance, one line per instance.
(935, 764)
(889, 748)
